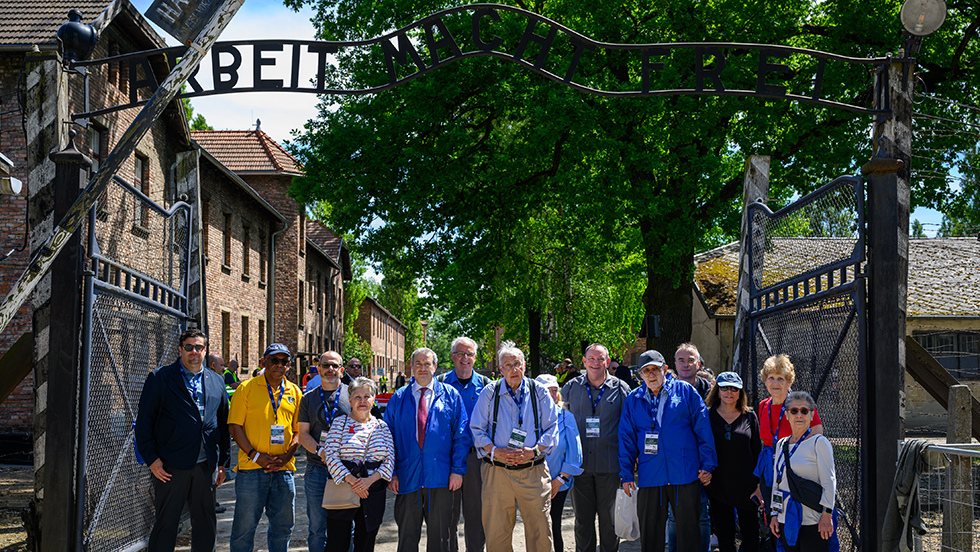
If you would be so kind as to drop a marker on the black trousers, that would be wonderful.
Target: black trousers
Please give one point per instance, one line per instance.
(339, 534)
(194, 487)
(557, 505)
(435, 507)
(809, 540)
(723, 524)
(594, 494)
(651, 509)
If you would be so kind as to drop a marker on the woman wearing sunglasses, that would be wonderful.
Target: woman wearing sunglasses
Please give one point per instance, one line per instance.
(805, 484)
(737, 442)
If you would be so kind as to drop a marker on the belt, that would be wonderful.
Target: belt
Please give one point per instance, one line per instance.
(530, 464)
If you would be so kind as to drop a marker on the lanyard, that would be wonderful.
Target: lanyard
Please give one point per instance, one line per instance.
(595, 403)
(782, 412)
(272, 399)
(779, 469)
(659, 404)
(519, 402)
(192, 382)
(336, 401)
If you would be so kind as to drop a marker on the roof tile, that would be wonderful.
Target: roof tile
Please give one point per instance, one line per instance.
(247, 151)
(34, 22)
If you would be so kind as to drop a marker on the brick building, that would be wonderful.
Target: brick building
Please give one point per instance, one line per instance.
(310, 263)
(386, 336)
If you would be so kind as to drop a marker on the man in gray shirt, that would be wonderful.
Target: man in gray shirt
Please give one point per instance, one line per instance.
(317, 410)
(596, 399)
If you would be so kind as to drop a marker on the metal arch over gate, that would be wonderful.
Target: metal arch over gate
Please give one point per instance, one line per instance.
(807, 283)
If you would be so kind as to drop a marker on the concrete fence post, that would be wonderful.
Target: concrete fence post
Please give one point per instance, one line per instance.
(958, 502)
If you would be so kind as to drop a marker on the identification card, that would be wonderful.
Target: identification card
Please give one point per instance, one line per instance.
(592, 427)
(323, 438)
(278, 435)
(777, 502)
(651, 443)
(517, 437)
(200, 410)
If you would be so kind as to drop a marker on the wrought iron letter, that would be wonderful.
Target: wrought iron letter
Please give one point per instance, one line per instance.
(478, 16)
(400, 54)
(765, 67)
(581, 47)
(529, 37)
(294, 67)
(648, 67)
(231, 70)
(135, 83)
(172, 57)
(321, 50)
(701, 73)
(446, 41)
(258, 62)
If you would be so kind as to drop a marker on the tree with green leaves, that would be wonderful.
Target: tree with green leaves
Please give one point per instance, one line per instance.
(509, 193)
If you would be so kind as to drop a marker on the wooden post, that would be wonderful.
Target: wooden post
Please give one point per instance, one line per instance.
(756, 189)
(958, 495)
(888, 245)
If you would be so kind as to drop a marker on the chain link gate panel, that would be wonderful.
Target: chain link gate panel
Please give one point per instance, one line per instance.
(807, 300)
(135, 310)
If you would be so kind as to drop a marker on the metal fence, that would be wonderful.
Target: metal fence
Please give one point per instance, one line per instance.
(807, 300)
(948, 499)
(135, 309)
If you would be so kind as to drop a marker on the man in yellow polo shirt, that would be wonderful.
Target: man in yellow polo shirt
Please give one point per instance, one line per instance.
(263, 420)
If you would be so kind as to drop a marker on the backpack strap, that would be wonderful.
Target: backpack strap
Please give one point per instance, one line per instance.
(534, 408)
(496, 407)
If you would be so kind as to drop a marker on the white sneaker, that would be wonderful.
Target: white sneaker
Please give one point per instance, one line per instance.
(714, 542)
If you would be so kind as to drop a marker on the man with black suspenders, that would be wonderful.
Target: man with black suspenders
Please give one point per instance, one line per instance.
(515, 424)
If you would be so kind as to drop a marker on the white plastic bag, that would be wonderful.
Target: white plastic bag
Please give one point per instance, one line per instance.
(627, 524)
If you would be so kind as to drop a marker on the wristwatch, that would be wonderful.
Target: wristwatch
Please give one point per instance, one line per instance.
(562, 477)
(828, 510)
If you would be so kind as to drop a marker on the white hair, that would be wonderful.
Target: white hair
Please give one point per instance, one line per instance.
(421, 350)
(509, 348)
(462, 339)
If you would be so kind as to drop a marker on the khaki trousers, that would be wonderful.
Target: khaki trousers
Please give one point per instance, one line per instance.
(504, 491)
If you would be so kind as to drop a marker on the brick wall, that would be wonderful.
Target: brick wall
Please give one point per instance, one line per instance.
(230, 289)
(16, 412)
(385, 335)
(322, 317)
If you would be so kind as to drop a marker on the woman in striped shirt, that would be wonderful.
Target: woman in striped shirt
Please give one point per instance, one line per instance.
(359, 452)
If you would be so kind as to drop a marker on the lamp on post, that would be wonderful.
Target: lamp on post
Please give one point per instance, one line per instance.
(76, 39)
(8, 184)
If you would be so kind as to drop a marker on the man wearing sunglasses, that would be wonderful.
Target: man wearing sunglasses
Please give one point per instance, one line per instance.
(263, 419)
(182, 433)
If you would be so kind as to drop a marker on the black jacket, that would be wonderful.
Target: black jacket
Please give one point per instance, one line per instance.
(168, 425)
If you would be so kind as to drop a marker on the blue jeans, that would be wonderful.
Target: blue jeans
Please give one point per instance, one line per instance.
(255, 491)
(313, 483)
(704, 522)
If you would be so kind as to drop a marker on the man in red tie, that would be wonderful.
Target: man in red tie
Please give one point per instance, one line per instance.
(430, 428)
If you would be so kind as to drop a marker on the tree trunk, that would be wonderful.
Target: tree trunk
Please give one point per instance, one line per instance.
(534, 342)
(672, 304)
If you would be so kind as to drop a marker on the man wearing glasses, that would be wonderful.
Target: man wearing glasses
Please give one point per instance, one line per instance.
(428, 425)
(596, 400)
(515, 424)
(469, 384)
(317, 411)
(263, 420)
(182, 433)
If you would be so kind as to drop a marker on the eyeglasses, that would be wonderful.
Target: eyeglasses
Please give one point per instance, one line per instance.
(331, 365)
(467, 354)
(358, 366)
(273, 361)
(802, 411)
(511, 367)
(189, 348)
(728, 388)
(647, 371)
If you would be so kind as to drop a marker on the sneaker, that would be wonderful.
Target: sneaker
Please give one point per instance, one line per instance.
(219, 509)
(714, 542)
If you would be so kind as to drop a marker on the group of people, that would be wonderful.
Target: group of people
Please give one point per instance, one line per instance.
(462, 446)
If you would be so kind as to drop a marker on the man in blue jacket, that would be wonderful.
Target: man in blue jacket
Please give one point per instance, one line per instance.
(665, 438)
(429, 426)
(182, 433)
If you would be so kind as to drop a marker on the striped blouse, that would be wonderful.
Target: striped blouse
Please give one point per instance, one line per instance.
(347, 439)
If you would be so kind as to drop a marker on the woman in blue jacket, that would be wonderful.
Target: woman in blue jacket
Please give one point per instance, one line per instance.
(565, 462)
(665, 438)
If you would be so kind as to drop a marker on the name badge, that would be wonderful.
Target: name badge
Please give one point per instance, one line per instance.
(592, 427)
(323, 438)
(278, 435)
(517, 437)
(200, 410)
(651, 443)
(777, 502)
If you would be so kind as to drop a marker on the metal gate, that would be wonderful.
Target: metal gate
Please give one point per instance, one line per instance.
(807, 290)
(136, 287)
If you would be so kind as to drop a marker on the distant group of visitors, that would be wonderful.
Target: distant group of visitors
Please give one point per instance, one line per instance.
(457, 445)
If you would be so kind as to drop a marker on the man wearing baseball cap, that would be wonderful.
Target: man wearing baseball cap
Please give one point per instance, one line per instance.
(264, 422)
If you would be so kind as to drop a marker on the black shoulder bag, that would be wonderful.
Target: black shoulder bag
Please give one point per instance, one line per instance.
(805, 491)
